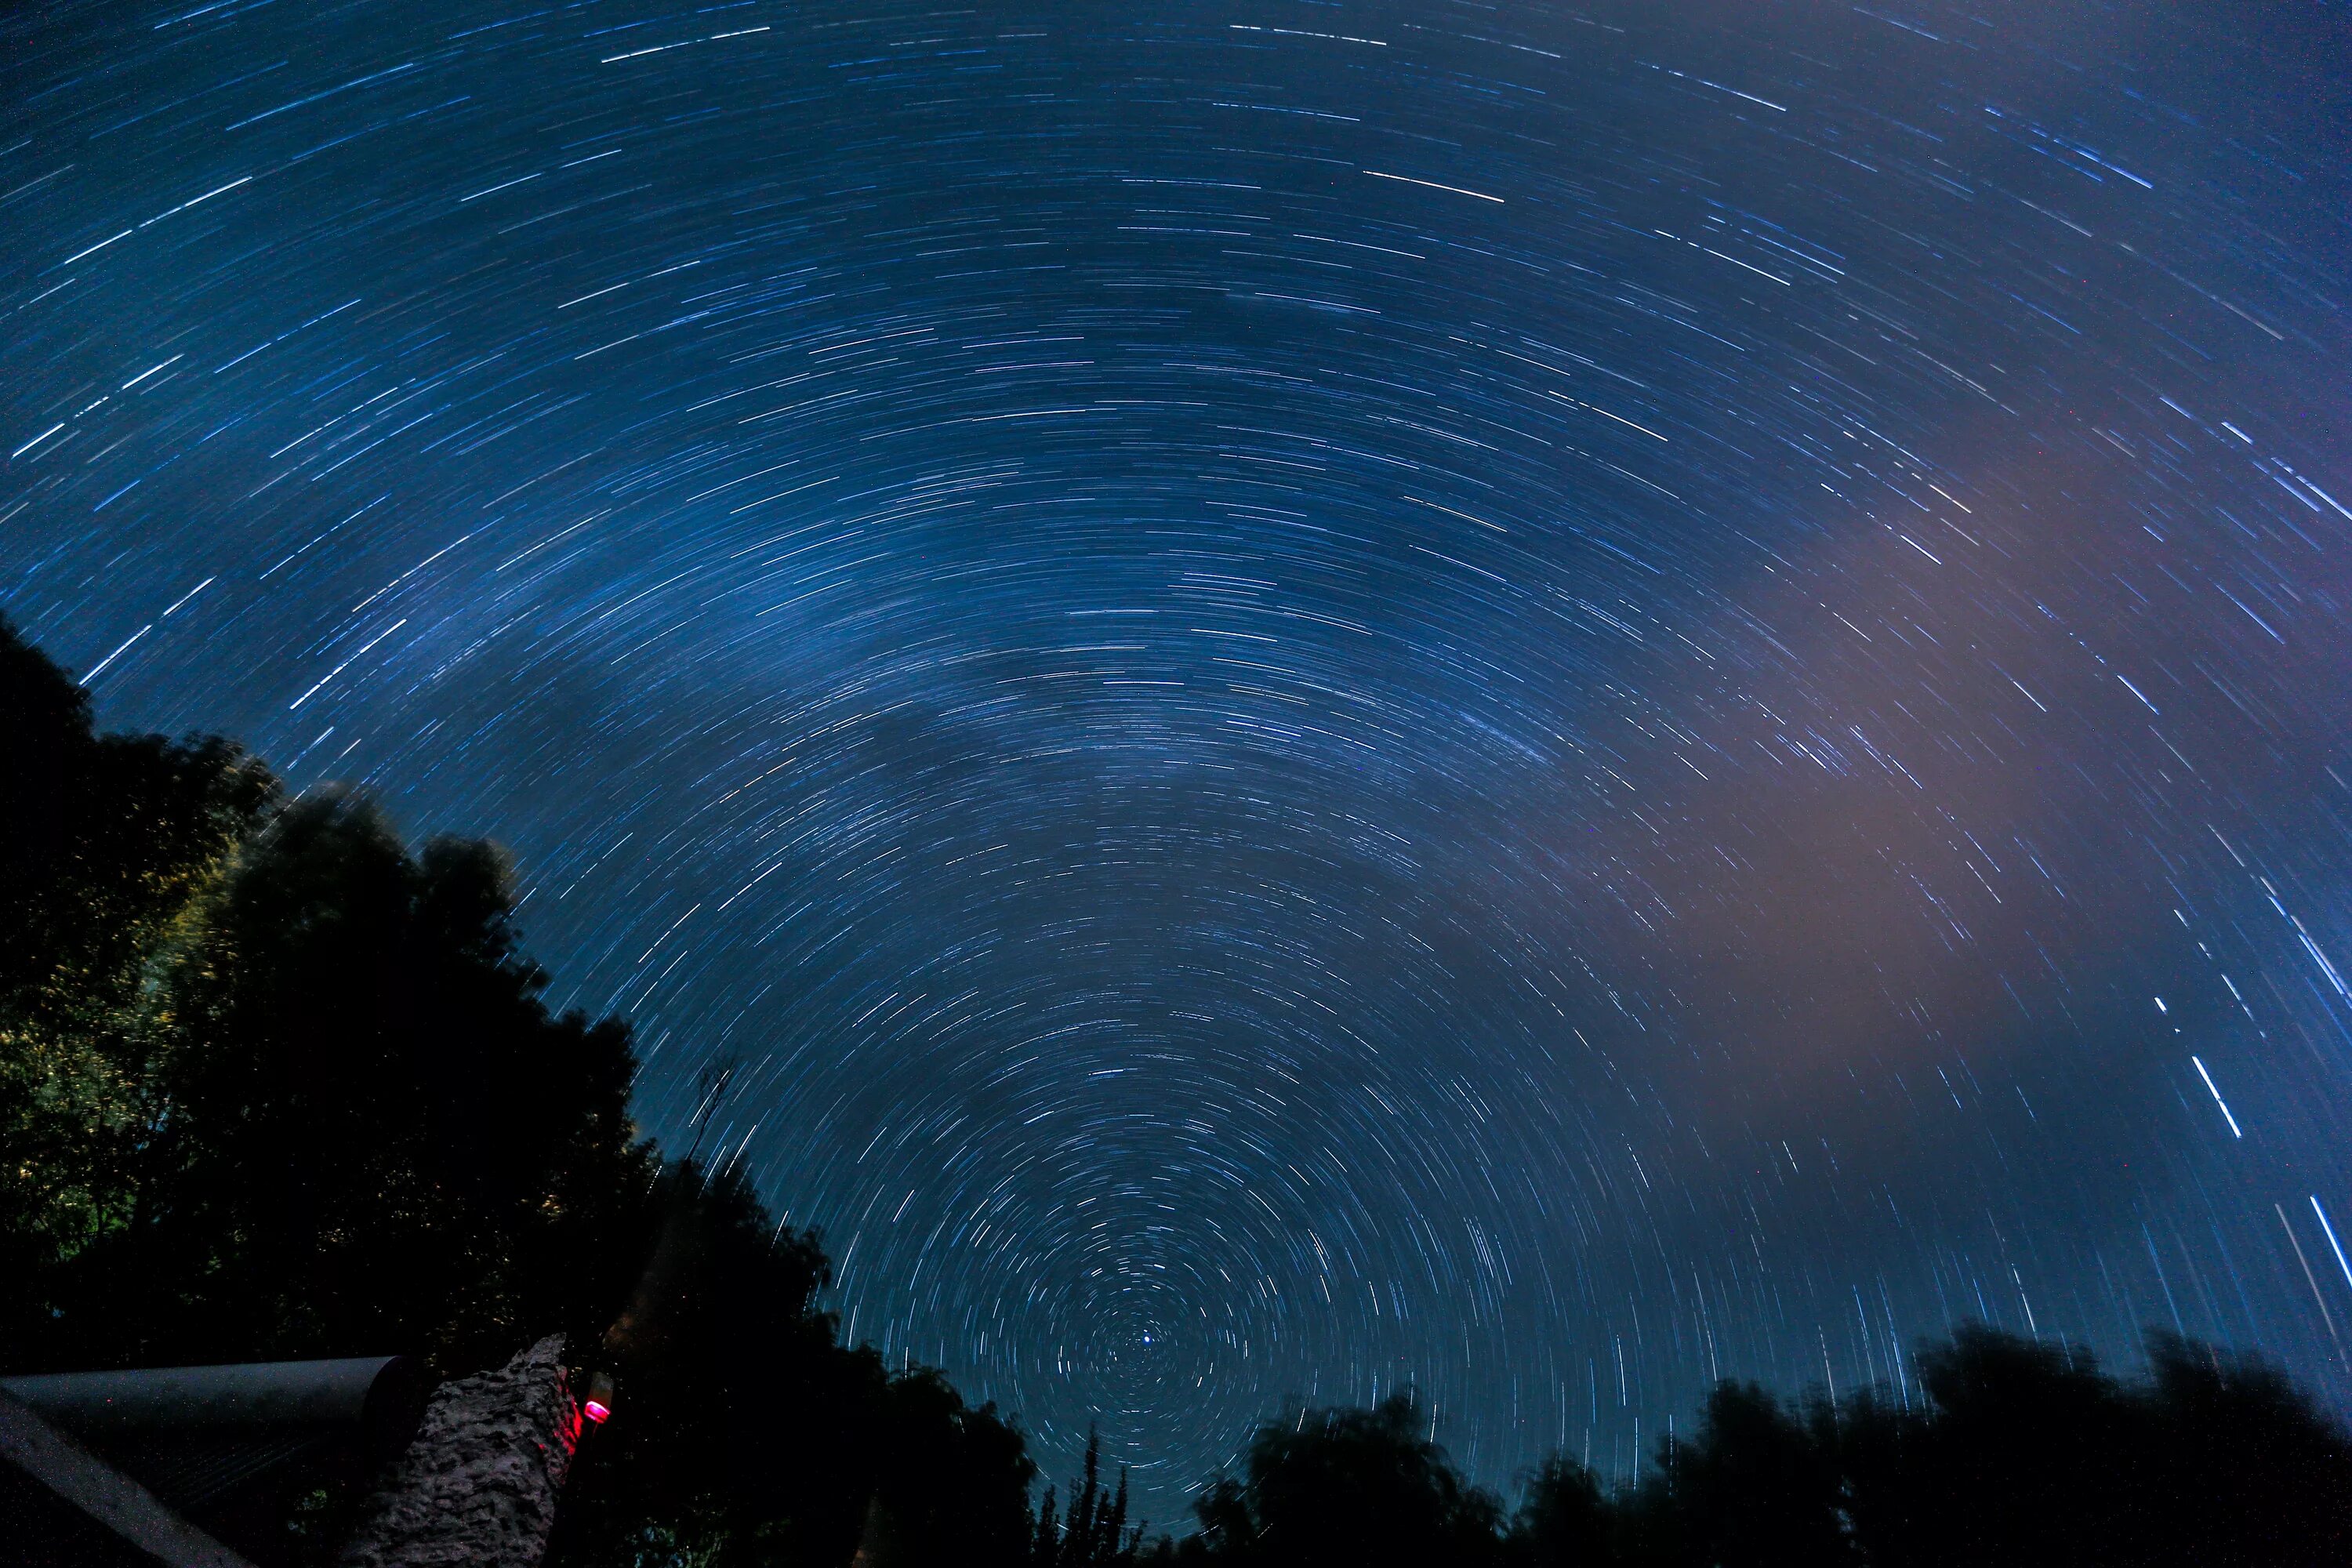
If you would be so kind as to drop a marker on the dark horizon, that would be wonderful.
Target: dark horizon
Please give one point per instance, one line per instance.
(1549, 703)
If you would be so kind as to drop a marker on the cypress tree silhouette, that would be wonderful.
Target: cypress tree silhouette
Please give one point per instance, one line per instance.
(1046, 1537)
(1096, 1535)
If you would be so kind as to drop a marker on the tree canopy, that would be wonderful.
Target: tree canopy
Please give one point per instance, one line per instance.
(1354, 1487)
(106, 844)
(273, 1084)
(342, 1009)
(2022, 1453)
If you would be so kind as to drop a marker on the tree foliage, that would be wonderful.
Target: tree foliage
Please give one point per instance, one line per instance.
(367, 1129)
(272, 1084)
(106, 844)
(749, 1434)
(2021, 1454)
(1365, 1488)
(2029, 1453)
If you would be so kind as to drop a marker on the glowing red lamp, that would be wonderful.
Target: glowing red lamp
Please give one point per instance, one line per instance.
(598, 1406)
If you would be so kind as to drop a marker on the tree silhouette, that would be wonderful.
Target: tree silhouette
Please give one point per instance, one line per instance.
(1564, 1521)
(2253, 1472)
(746, 1433)
(1097, 1533)
(2029, 1453)
(1750, 1490)
(105, 844)
(2023, 1455)
(271, 1084)
(1360, 1488)
(361, 1016)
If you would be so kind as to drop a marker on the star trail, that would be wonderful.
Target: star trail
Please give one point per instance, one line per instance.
(1544, 702)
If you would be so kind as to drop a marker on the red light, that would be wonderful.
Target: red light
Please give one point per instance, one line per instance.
(594, 1410)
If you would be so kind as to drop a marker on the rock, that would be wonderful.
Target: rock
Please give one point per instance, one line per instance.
(480, 1484)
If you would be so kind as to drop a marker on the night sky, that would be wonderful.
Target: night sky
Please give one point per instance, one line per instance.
(1543, 702)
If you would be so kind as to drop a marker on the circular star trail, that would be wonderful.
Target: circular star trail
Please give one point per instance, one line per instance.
(1541, 702)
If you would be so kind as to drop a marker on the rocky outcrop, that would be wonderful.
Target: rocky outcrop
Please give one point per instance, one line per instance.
(480, 1484)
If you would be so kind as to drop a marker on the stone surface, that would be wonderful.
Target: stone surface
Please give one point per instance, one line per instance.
(480, 1484)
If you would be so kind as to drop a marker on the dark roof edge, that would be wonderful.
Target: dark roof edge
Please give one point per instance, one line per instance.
(105, 1493)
